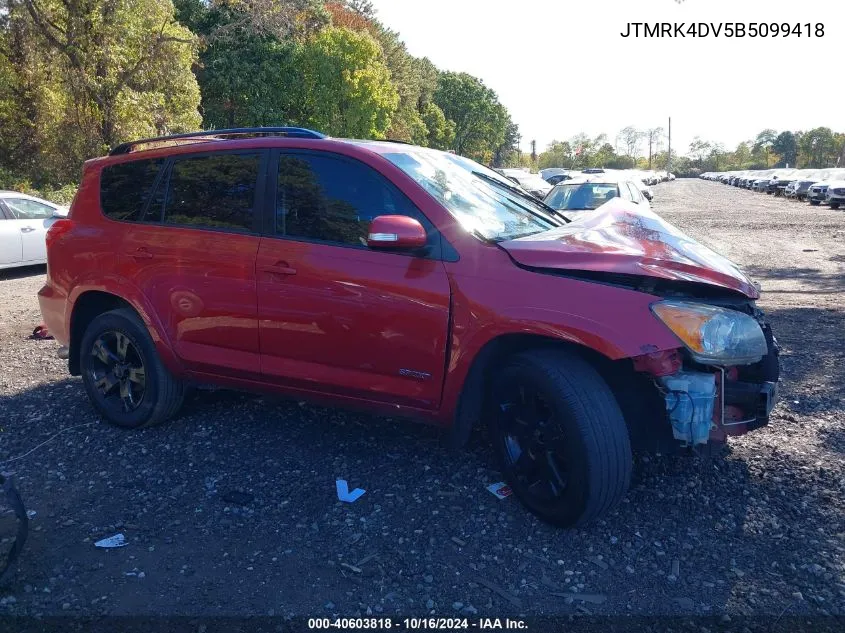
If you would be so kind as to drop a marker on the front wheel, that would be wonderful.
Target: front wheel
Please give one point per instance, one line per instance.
(560, 437)
(125, 379)
(834, 205)
(815, 203)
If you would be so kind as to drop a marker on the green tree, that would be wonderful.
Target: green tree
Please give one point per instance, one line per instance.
(346, 88)
(481, 122)
(763, 144)
(97, 73)
(603, 156)
(439, 130)
(786, 146)
(819, 148)
(700, 150)
(557, 154)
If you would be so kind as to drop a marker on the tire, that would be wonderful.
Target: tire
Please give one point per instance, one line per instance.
(133, 399)
(583, 433)
(834, 205)
(815, 203)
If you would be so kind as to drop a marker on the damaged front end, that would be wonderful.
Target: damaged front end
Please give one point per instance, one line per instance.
(723, 382)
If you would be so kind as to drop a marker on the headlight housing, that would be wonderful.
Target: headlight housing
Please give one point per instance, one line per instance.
(713, 335)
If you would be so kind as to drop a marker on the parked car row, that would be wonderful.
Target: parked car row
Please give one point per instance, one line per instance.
(818, 186)
(554, 175)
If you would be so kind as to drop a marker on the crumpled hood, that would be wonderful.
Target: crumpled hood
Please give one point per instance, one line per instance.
(622, 237)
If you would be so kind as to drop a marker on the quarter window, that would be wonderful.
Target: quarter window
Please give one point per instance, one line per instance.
(126, 187)
(333, 200)
(214, 191)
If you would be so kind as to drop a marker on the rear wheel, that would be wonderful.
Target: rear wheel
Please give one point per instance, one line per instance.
(560, 437)
(834, 205)
(815, 203)
(123, 376)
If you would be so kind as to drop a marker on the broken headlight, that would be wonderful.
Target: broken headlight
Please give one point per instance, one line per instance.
(714, 336)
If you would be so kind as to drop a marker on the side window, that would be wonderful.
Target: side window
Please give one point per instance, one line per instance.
(126, 187)
(22, 209)
(214, 191)
(625, 192)
(635, 193)
(334, 200)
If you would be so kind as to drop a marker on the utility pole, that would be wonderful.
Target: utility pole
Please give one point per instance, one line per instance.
(669, 153)
(533, 152)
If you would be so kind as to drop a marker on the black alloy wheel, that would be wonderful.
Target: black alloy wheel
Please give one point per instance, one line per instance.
(117, 371)
(559, 435)
(125, 379)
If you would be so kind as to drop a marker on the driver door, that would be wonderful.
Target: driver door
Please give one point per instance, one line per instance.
(335, 316)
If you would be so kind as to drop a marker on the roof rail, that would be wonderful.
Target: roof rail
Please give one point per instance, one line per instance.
(215, 135)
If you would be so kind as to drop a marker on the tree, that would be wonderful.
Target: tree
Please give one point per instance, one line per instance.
(654, 136)
(440, 131)
(346, 88)
(557, 154)
(763, 143)
(699, 150)
(481, 122)
(100, 72)
(504, 153)
(631, 138)
(716, 153)
(605, 155)
(786, 146)
(819, 147)
(362, 7)
(289, 18)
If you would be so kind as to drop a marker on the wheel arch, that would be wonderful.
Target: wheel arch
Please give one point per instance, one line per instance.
(92, 302)
(635, 393)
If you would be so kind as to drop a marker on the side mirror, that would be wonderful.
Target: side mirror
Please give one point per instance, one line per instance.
(396, 233)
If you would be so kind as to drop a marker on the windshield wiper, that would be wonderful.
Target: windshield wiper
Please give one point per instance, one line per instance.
(521, 194)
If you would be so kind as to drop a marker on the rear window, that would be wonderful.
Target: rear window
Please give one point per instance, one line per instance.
(214, 192)
(125, 188)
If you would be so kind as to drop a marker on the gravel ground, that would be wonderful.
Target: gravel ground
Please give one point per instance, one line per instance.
(758, 530)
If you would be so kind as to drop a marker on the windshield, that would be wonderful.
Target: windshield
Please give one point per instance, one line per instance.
(580, 196)
(481, 206)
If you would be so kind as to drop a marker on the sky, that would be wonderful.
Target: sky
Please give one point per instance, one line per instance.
(562, 67)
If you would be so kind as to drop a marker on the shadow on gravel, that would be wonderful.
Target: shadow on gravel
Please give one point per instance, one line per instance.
(812, 355)
(23, 272)
(819, 282)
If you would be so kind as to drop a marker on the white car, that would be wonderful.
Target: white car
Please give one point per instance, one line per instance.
(836, 193)
(24, 221)
(532, 183)
(579, 197)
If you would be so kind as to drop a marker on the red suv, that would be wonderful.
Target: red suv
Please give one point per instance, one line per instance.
(406, 281)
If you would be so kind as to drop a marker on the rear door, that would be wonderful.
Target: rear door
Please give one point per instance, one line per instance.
(192, 253)
(11, 250)
(334, 315)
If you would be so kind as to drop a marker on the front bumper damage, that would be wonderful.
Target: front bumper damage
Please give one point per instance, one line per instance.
(707, 404)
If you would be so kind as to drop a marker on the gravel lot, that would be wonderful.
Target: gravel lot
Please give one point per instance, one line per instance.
(759, 530)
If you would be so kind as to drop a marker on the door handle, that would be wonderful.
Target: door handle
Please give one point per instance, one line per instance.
(142, 253)
(27, 229)
(280, 268)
